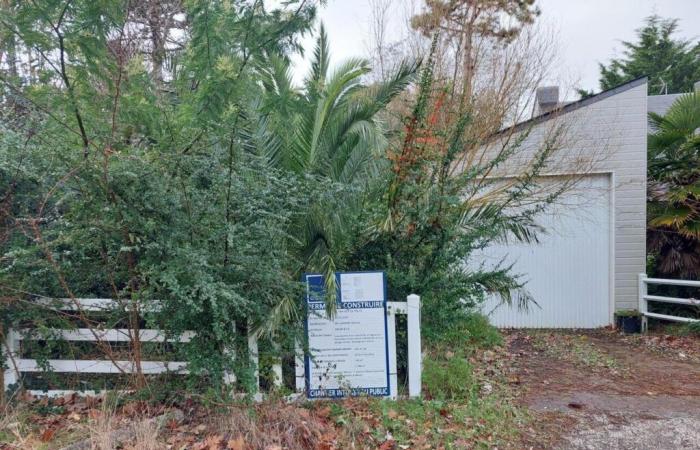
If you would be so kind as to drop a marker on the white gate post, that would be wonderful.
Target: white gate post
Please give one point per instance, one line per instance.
(253, 355)
(299, 367)
(414, 346)
(277, 367)
(643, 307)
(391, 336)
(229, 377)
(11, 353)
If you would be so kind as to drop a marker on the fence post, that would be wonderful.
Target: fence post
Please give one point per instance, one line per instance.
(11, 352)
(414, 346)
(391, 336)
(299, 368)
(277, 366)
(253, 355)
(229, 377)
(643, 307)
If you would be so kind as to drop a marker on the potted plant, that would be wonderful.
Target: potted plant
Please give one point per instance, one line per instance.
(629, 320)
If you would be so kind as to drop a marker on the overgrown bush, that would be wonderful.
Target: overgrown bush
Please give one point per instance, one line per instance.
(448, 377)
(193, 184)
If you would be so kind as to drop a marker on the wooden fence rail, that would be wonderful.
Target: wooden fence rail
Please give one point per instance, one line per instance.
(16, 365)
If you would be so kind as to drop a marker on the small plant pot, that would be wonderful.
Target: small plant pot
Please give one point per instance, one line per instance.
(630, 324)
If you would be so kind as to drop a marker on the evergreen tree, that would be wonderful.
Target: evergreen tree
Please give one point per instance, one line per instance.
(672, 65)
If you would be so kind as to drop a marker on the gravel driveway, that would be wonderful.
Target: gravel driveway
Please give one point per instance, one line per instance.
(599, 390)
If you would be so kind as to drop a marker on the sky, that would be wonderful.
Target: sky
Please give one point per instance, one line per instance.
(588, 31)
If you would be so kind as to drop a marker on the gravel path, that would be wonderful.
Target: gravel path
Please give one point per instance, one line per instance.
(645, 401)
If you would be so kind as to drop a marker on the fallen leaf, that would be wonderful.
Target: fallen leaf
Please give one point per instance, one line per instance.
(92, 401)
(324, 412)
(388, 445)
(47, 435)
(213, 442)
(236, 444)
(131, 408)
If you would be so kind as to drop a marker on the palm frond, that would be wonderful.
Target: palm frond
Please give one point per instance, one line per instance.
(315, 80)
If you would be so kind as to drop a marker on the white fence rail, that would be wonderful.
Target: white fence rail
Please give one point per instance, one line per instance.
(16, 365)
(645, 298)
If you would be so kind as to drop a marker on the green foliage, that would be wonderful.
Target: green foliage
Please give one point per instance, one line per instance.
(693, 328)
(674, 189)
(193, 182)
(120, 184)
(432, 220)
(329, 132)
(448, 379)
(672, 65)
(627, 313)
(475, 331)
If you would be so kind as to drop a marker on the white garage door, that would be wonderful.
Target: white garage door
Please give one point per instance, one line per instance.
(568, 273)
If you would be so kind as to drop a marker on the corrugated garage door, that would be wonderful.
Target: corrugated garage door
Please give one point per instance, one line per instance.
(568, 273)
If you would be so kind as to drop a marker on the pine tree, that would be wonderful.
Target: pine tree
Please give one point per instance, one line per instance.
(671, 64)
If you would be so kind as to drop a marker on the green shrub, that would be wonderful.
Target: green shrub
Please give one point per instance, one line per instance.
(448, 379)
(628, 313)
(692, 329)
(473, 329)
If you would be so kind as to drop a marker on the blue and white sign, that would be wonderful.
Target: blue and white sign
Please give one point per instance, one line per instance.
(348, 354)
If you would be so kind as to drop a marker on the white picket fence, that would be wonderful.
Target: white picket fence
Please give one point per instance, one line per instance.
(645, 298)
(16, 366)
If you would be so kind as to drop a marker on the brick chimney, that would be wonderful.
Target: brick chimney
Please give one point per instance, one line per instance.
(547, 98)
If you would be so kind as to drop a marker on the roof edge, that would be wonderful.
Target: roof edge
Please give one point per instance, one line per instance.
(573, 106)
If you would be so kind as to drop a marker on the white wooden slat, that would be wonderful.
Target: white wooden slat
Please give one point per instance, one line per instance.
(670, 318)
(415, 356)
(278, 380)
(254, 357)
(111, 335)
(53, 393)
(679, 301)
(391, 337)
(11, 354)
(642, 303)
(299, 368)
(101, 366)
(687, 283)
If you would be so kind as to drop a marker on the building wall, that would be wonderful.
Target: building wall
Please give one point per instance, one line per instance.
(604, 134)
(622, 118)
(659, 104)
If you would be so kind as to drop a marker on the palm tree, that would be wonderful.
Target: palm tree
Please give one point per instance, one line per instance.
(673, 192)
(330, 132)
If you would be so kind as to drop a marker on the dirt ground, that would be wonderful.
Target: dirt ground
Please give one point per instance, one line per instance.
(602, 390)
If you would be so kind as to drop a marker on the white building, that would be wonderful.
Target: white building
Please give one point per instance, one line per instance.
(586, 265)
